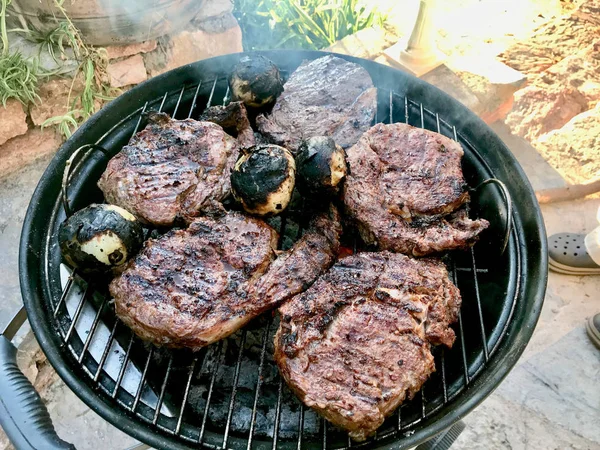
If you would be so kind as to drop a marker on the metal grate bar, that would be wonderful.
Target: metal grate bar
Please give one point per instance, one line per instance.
(479, 309)
(226, 97)
(162, 392)
(64, 293)
(195, 100)
(137, 125)
(210, 390)
(138, 393)
(106, 350)
(212, 92)
(461, 334)
(477, 296)
(261, 365)
(178, 101)
(422, 116)
(277, 414)
(406, 109)
(92, 330)
(300, 426)
(185, 394)
(443, 358)
(236, 377)
(162, 103)
(423, 402)
(469, 269)
(77, 313)
(391, 107)
(399, 426)
(123, 367)
(324, 424)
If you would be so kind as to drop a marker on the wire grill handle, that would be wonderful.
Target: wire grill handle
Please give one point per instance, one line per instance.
(23, 415)
(67, 172)
(508, 204)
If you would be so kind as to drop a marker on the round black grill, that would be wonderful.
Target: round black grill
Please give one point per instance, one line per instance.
(230, 395)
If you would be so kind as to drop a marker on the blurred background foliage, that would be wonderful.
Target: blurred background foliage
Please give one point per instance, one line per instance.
(301, 24)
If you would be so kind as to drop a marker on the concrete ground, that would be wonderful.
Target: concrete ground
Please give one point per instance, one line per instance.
(550, 400)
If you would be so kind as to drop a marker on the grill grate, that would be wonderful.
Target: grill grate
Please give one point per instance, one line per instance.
(230, 395)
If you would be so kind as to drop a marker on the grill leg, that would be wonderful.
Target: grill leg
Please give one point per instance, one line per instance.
(445, 439)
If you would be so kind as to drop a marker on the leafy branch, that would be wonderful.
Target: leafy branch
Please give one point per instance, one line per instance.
(308, 24)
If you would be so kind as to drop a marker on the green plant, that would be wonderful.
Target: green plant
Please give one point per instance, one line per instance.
(54, 39)
(91, 73)
(18, 78)
(3, 31)
(307, 24)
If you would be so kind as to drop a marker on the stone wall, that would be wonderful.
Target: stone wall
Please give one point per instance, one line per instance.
(557, 112)
(213, 32)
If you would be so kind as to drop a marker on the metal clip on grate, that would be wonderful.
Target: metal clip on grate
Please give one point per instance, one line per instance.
(212, 390)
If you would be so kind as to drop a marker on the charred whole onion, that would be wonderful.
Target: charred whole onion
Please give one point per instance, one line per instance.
(321, 166)
(255, 81)
(263, 179)
(99, 237)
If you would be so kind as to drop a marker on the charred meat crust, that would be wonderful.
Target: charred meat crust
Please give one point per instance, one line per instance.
(171, 171)
(328, 96)
(234, 120)
(404, 190)
(357, 343)
(192, 287)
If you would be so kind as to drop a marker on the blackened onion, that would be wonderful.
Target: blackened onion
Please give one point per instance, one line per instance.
(255, 81)
(99, 237)
(263, 179)
(321, 166)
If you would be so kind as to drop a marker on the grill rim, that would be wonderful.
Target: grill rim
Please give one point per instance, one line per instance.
(534, 265)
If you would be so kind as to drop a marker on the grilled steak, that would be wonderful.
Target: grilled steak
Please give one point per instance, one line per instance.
(192, 287)
(172, 170)
(234, 120)
(356, 344)
(328, 96)
(404, 188)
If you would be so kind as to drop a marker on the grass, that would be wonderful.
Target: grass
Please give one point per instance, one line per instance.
(305, 24)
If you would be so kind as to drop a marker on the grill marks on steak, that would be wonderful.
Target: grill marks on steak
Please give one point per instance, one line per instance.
(328, 96)
(171, 170)
(356, 344)
(404, 188)
(192, 287)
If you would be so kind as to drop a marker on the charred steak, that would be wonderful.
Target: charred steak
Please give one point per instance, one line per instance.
(172, 170)
(328, 96)
(234, 120)
(357, 343)
(404, 188)
(192, 287)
